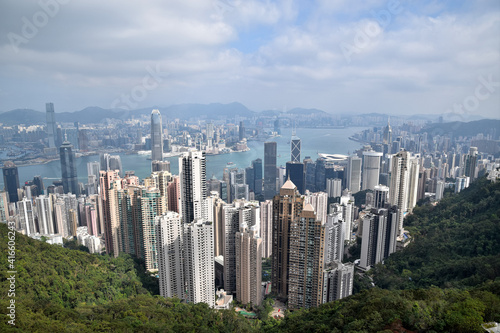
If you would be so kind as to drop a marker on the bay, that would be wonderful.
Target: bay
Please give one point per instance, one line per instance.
(314, 141)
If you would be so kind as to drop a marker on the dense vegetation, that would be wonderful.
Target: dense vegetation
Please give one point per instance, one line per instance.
(456, 243)
(446, 280)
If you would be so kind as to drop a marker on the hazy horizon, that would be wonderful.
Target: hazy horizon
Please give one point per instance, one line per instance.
(389, 57)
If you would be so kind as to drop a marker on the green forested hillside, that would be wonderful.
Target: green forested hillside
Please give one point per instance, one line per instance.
(447, 280)
(456, 243)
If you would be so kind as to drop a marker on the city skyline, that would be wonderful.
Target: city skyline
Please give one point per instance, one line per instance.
(423, 57)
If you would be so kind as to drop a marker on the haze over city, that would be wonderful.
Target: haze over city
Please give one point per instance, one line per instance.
(393, 57)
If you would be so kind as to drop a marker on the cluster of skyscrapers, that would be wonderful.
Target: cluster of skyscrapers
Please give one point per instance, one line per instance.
(198, 235)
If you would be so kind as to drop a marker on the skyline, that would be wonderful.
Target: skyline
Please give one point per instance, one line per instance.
(378, 56)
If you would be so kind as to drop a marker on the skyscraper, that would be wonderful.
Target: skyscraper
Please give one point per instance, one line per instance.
(334, 238)
(170, 264)
(156, 136)
(11, 180)
(399, 189)
(109, 185)
(354, 174)
(68, 168)
(295, 149)
(51, 124)
(287, 206)
(380, 229)
(153, 204)
(248, 248)
(266, 227)
(4, 207)
(306, 260)
(192, 173)
(241, 131)
(338, 281)
(381, 196)
(371, 169)
(270, 172)
(295, 172)
(470, 163)
(257, 170)
(198, 244)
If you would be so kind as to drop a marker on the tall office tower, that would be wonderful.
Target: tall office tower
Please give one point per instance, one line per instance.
(241, 131)
(27, 216)
(156, 136)
(347, 203)
(319, 202)
(295, 172)
(306, 260)
(399, 189)
(38, 181)
(115, 163)
(233, 216)
(174, 194)
(354, 174)
(153, 204)
(334, 187)
(371, 169)
(396, 146)
(250, 178)
(210, 134)
(110, 183)
(320, 177)
(51, 125)
(68, 168)
(334, 238)
(257, 169)
(287, 206)
(170, 263)
(380, 196)
(236, 177)
(461, 183)
(270, 172)
(198, 245)
(387, 139)
(281, 171)
(470, 162)
(45, 215)
(160, 166)
(413, 183)
(11, 180)
(266, 227)
(193, 192)
(215, 209)
(4, 207)
(380, 230)
(248, 248)
(338, 281)
(295, 144)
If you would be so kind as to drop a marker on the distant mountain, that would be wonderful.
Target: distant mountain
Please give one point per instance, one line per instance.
(96, 114)
(305, 111)
(22, 116)
(458, 128)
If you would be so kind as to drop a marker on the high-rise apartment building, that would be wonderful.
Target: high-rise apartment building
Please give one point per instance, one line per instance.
(306, 260)
(156, 136)
(266, 227)
(110, 183)
(338, 281)
(381, 196)
(319, 202)
(68, 168)
(4, 207)
(170, 263)
(248, 248)
(199, 262)
(11, 180)
(334, 238)
(334, 187)
(240, 213)
(192, 174)
(470, 162)
(153, 204)
(399, 188)
(380, 228)
(45, 215)
(270, 171)
(287, 206)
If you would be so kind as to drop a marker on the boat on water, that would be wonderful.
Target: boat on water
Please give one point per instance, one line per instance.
(230, 163)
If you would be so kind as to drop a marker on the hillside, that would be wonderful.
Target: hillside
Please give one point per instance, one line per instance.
(447, 281)
(458, 128)
(456, 243)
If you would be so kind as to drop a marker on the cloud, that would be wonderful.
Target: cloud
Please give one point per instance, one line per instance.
(263, 53)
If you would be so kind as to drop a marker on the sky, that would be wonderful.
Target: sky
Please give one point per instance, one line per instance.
(344, 57)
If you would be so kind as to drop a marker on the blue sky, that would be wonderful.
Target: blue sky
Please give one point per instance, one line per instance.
(392, 57)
